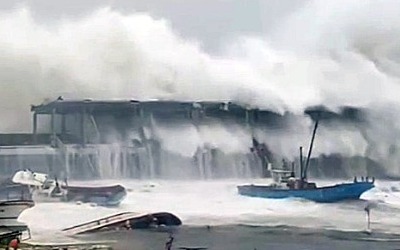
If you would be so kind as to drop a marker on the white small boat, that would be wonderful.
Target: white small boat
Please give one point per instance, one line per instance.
(41, 187)
(48, 190)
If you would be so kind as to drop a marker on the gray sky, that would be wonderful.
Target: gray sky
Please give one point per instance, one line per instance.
(208, 21)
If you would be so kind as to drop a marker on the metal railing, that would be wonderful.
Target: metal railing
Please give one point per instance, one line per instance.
(15, 192)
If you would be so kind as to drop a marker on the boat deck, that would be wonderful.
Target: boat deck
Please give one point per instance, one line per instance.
(126, 220)
(101, 223)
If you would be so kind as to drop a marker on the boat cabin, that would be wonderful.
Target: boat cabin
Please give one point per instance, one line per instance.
(281, 176)
(286, 179)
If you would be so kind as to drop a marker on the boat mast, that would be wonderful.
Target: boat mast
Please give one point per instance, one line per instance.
(304, 175)
(301, 162)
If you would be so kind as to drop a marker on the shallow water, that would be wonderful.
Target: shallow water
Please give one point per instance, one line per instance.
(262, 222)
(244, 237)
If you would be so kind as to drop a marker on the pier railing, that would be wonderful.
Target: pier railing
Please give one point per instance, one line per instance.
(24, 139)
(15, 192)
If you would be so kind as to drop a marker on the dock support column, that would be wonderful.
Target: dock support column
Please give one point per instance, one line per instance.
(53, 128)
(83, 132)
(34, 128)
(248, 117)
(63, 125)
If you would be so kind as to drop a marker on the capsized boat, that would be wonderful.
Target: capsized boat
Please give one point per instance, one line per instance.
(125, 221)
(286, 185)
(45, 189)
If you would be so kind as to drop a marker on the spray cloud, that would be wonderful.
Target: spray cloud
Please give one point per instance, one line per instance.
(333, 53)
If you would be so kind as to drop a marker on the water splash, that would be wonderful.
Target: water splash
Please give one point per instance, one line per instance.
(336, 53)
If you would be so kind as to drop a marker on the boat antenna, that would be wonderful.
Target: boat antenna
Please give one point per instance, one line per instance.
(292, 173)
(310, 149)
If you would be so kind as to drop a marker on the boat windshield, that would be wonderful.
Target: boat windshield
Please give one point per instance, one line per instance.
(48, 184)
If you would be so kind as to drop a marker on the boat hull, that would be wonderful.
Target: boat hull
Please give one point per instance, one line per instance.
(14, 199)
(126, 221)
(336, 193)
(102, 196)
(10, 211)
(14, 192)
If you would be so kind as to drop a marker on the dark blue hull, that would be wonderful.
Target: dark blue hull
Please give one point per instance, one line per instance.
(112, 201)
(102, 196)
(339, 192)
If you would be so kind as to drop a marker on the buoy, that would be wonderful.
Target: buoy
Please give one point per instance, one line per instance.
(367, 210)
(368, 218)
(14, 243)
(168, 244)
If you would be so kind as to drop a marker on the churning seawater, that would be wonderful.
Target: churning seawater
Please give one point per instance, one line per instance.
(235, 221)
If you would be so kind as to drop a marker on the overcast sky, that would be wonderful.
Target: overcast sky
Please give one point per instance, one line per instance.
(208, 21)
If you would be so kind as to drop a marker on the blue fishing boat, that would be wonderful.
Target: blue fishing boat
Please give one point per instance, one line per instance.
(335, 193)
(286, 185)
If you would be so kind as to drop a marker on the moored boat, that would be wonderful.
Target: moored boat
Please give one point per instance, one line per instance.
(10, 211)
(45, 189)
(326, 194)
(14, 199)
(286, 185)
(103, 195)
